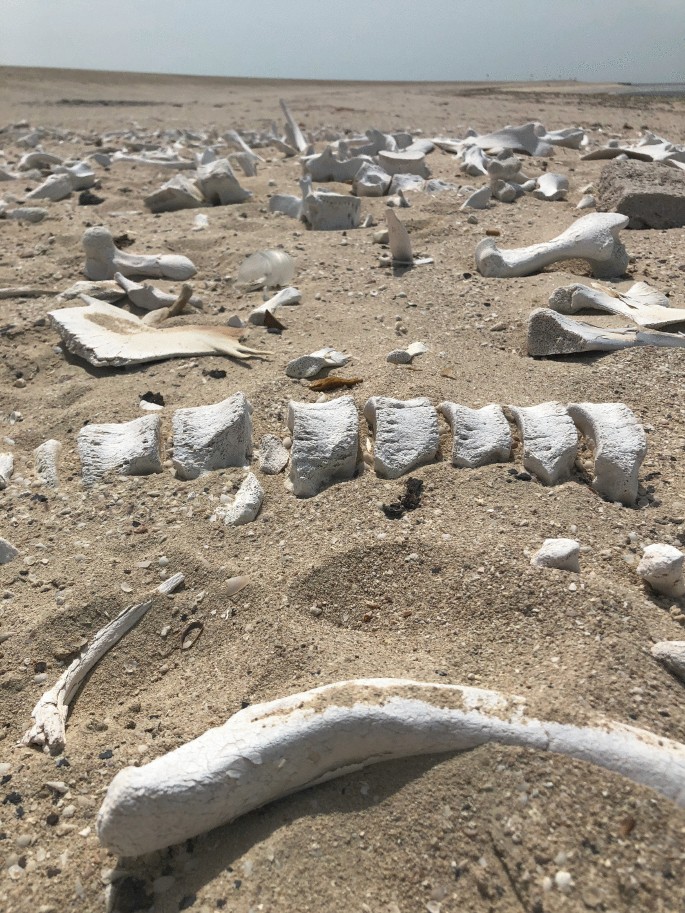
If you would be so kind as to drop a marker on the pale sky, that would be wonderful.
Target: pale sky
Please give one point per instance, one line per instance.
(589, 40)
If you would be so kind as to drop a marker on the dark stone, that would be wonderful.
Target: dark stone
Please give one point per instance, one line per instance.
(651, 194)
(131, 895)
(106, 754)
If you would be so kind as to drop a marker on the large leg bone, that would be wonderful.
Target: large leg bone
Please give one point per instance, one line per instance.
(50, 713)
(643, 304)
(480, 436)
(45, 458)
(620, 446)
(274, 749)
(593, 238)
(104, 259)
(662, 567)
(125, 448)
(212, 437)
(406, 434)
(325, 444)
(550, 440)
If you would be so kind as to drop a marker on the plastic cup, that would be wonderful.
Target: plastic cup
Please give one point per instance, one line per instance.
(266, 269)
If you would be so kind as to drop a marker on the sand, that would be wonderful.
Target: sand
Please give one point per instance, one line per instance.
(337, 590)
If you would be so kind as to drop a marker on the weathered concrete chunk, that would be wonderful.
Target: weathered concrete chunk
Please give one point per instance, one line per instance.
(550, 440)
(406, 434)
(481, 436)
(651, 194)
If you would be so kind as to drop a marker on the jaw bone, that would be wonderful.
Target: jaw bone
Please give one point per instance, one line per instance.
(104, 259)
(661, 566)
(551, 186)
(212, 437)
(550, 440)
(45, 459)
(593, 238)
(125, 448)
(147, 297)
(274, 749)
(325, 444)
(620, 445)
(644, 305)
(550, 333)
(406, 434)
(246, 503)
(105, 335)
(480, 436)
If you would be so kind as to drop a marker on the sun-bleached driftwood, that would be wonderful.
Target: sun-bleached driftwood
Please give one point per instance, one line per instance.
(50, 713)
(271, 750)
(644, 305)
(104, 259)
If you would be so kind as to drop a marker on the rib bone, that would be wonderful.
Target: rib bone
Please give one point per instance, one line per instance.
(212, 437)
(480, 436)
(104, 259)
(550, 440)
(406, 434)
(325, 444)
(126, 448)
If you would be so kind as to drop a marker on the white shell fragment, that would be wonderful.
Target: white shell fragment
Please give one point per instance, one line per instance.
(286, 297)
(480, 436)
(6, 469)
(672, 654)
(273, 456)
(325, 444)
(323, 210)
(406, 434)
(593, 238)
(45, 459)
(104, 259)
(310, 365)
(661, 566)
(551, 186)
(274, 749)
(558, 553)
(212, 437)
(246, 503)
(125, 448)
(550, 440)
(620, 445)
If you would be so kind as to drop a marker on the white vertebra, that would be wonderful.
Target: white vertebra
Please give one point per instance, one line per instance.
(310, 365)
(551, 186)
(45, 459)
(371, 181)
(125, 448)
(403, 163)
(480, 436)
(406, 434)
(662, 567)
(326, 211)
(558, 553)
(550, 440)
(325, 444)
(104, 259)
(246, 503)
(212, 437)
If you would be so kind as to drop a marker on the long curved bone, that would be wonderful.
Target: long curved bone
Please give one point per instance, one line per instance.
(480, 436)
(50, 713)
(620, 446)
(593, 238)
(147, 297)
(550, 440)
(644, 305)
(105, 335)
(405, 431)
(212, 437)
(275, 749)
(125, 448)
(104, 259)
(325, 444)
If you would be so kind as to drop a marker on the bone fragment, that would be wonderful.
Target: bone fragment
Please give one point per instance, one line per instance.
(56, 187)
(325, 444)
(643, 304)
(45, 459)
(273, 456)
(174, 195)
(479, 199)
(148, 297)
(294, 135)
(246, 503)
(219, 185)
(558, 553)
(325, 166)
(326, 211)
(286, 297)
(124, 448)
(104, 259)
(371, 181)
(406, 356)
(587, 201)
(551, 186)
(661, 567)
(7, 552)
(550, 440)
(672, 654)
(212, 437)
(310, 365)
(404, 162)
(406, 434)
(480, 436)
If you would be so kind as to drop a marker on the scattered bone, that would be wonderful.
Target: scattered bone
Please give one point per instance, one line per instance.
(406, 434)
(310, 365)
(661, 567)
(558, 553)
(326, 211)
(398, 201)
(200, 222)
(232, 136)
(6, 469)
(156, 161)
(474, 161)
(570, 137)
(403, 163)
(50, 713)
(147, 297)
(7, 552)
(480, 436)
(287, 204)
(104, 335)
(176, 194)
(294, 135)
(327, 167)
(104, 259)
(287, 297)
(32, 214)
(274, 749)
(672, 654)
(526, 138)
(587, 201)
(56, 187)
(124, 448)
(371, 181)
(43, 161)
(325, 444)
(620, 445)
(550, 440)
(45, 460)
(551, 186)
(212, 437)
(400, 245)
(406, 356)
(273, 456)
(6, 293)
(109, 290)
(593, 238)
(81, 175)
(219, 185)
(505, 167)
(246, 503)
(405, 183)
(479, 199)
(644, 305)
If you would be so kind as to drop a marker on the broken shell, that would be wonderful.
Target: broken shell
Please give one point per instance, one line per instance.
(212, 437)
(235, 584)
(310, 365)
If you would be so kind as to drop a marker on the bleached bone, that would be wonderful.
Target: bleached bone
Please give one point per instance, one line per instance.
(661, 566)
(45, 459)
(274, 749)
(246, 163)
(419, 144)
(400, 245)
(612, 152)
(6, 469)
(326, 211)
(219, 185)
(286, 297)
(232, 136)
(406, 356)
(124, 448)
(147, 297)
(104, 335)
(212, 437)
(403, 163)
(286, 203)
(200, 222)
(480, 436)
(437, 185)
(325, 166)
(294, 135)
(570, 137)
(273, 456)
(50, 713)
(644, 305)
(310, 365)
(156, 161)
(107, 290)
(176, 194)
(32, 214)
(246, 504)
(479, 199)
(561, 554)
(505, 167)
(620, 445)
(587, 201)
(550, 440)
(527, 138)
(43, 161)
(550, 333)
(81, 175)
(371, 181)
(406, 183)
(56, 187)
(405, 434)
(325, 444)
(398, 200)
(672, 654)
(593, 238)
(104, 259)
(551, 186)
(377, 141)
(474, 161)
(7, 552)
(505, 192)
